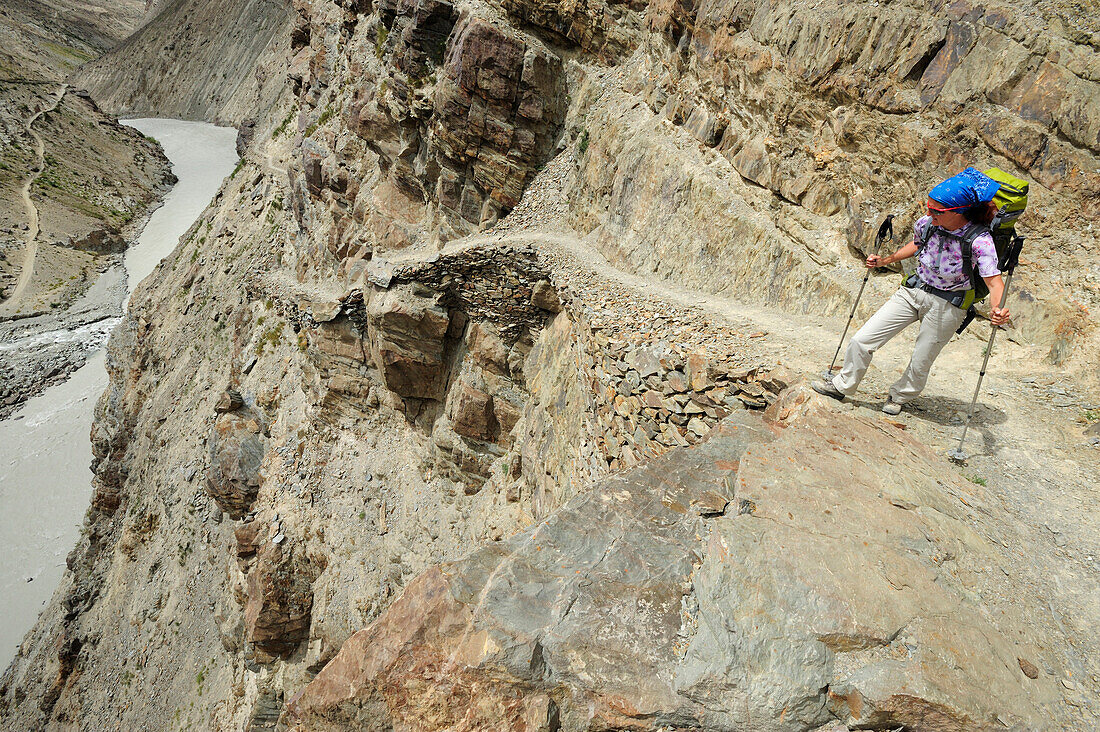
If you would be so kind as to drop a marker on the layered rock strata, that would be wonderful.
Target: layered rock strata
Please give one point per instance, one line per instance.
(495, 485)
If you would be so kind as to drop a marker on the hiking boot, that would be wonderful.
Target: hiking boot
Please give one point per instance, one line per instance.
(891, 407)
(827, 388)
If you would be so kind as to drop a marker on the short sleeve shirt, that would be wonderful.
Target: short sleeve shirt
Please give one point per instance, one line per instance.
(939, 263)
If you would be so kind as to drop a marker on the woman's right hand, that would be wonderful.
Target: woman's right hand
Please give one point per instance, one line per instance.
(874, 261)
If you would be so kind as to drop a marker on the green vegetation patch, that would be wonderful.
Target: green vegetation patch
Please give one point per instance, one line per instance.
(282, 125)
(270, 339)
(326, 115)
(380, 40)
(67, 55)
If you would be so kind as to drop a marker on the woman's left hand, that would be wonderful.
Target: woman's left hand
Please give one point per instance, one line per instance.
(999, 316)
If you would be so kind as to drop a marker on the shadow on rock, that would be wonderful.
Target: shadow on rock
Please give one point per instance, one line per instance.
(952, 412)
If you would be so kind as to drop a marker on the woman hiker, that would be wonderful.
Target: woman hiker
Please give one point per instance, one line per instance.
(954, 206)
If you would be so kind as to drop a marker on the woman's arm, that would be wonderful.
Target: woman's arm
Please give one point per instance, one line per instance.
(996, 286)
(904, 253)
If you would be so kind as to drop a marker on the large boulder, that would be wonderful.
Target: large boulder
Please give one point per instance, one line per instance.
(473, 414)
(589, 602)
(498, 108)
(279, 600)
(851, 593)
(751, 582)
(233, 476)
(408, 343)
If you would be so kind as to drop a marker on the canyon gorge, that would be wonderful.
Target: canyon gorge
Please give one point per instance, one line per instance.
(476, 397)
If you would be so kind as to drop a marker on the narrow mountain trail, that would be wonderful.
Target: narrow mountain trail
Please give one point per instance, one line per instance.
(30, 250)
(1026, 441)
(1030, 451)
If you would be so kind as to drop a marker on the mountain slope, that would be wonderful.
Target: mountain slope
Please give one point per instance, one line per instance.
(196, 60)
(506, 272)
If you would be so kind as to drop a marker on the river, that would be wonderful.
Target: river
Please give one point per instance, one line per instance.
(45, 449)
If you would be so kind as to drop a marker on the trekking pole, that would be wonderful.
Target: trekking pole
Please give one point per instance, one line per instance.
(885, 234)
(1011, 257)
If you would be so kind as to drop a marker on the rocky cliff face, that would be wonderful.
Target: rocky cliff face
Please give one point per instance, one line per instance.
(730, 147)
(196, 60)
(702, 590)
(440, 415)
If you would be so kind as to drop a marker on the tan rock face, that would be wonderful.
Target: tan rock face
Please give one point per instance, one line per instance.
(812, 592)
(496, 94)
(246, 536)
(506, 415)
(414, 681)
(589, 25)
(487, 349)
(732, 575)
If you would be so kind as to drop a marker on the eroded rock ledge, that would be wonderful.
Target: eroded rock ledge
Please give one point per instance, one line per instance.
(748, 582)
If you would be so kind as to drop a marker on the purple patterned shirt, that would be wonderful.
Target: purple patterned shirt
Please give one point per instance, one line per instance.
(939, 263)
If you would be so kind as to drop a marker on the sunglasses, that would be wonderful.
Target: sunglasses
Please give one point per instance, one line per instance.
(936, 210)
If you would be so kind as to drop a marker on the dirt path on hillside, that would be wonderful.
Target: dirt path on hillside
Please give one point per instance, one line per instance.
(30, 250)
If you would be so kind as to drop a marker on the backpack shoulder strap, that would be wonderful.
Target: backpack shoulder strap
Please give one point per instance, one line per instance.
(924, 233)
(966, 242)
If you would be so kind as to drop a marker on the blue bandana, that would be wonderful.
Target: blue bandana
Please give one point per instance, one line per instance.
(965, 189)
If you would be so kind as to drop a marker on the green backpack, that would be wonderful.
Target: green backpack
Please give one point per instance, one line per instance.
(1011, 200)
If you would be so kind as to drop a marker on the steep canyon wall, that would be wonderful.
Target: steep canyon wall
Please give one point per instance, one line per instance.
(382, 347)
(735, 148)
(212, 62)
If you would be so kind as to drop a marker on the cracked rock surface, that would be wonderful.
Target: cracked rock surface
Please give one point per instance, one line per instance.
(726, 585)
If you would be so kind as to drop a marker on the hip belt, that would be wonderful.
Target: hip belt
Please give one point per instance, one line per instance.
(955, 297)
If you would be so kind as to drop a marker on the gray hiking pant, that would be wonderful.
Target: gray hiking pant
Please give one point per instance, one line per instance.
(938, 321)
